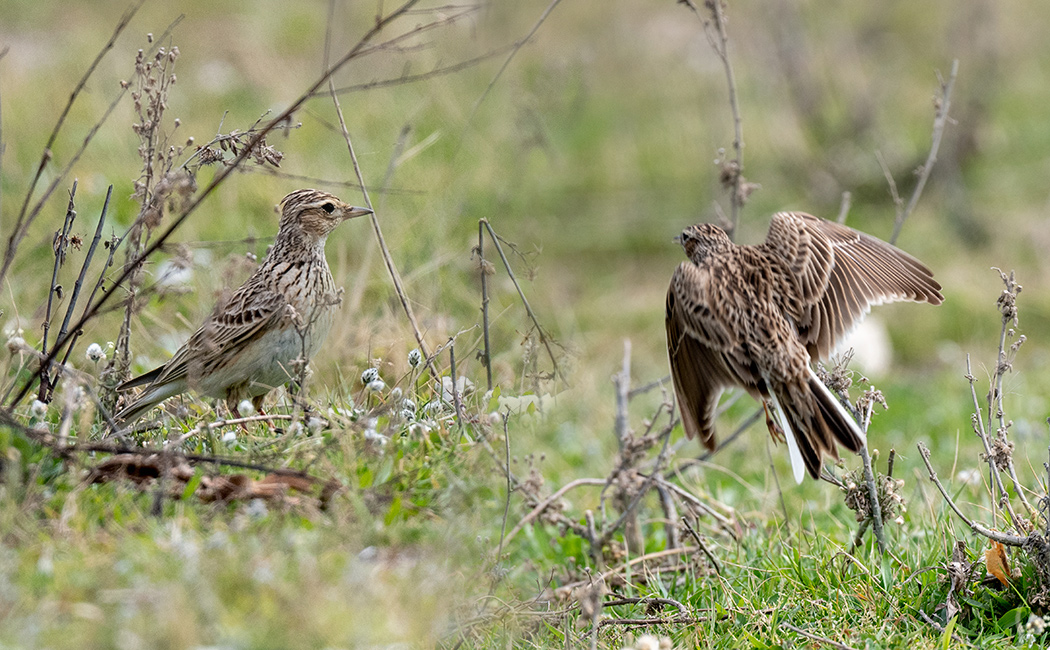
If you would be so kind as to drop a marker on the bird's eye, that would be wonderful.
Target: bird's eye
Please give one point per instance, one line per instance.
(328, 207)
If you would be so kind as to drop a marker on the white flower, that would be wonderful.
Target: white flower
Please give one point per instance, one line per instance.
(415, 357)
(376, 385)
(245, 408)
(495, 418)
(395, 394)
(408, 404)
(314, 424)
(407, 414)
(369, 375)
(229, 436)
(38, 409)
(95, 353)
(433, 406)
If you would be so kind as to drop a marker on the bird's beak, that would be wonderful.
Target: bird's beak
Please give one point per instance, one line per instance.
(355, 212)
(677, 239)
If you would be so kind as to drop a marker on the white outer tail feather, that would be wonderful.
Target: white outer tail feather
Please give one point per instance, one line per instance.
(798, 466)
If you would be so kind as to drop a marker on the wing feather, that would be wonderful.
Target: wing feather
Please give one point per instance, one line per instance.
(230, 327)
(696, 343)
(840, 274)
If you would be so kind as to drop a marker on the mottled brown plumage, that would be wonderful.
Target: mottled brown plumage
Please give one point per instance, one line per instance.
(282, 313)
(755, 316)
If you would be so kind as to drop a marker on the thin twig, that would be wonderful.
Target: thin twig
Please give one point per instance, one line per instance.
(74, 298)
(387, 259)
(506, 503)
(622, 382)
(521, 294)
(483, 269)
(546, 503)
(424, 76)
(457, 401)
(59, 246)
(670, 516)
(1002, 538)
(844, 206)
(48, 440)
(873, 498)
(816, 637)
(510, 57)
(721, 47)
(944, 102)
(22, 223)
(700, 543)
(645, 388)
(1001, 497)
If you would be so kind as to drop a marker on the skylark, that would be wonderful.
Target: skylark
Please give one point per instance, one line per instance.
(256, 340)
(756, 316)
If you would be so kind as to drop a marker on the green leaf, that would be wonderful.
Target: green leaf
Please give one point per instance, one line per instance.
(1013, 618)
(946, 638)
(393, 512)
(191, 485)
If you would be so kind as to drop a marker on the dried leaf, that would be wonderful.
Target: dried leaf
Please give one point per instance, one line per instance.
(997, 562)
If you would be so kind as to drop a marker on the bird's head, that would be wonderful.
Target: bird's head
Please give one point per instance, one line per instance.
(701, 240)
(315, 212)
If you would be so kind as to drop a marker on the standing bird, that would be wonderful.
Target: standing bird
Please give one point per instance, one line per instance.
(256, 340)
(755, 316)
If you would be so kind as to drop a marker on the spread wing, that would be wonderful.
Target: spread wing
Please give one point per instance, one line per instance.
(839, 274)
(225, 333)
(696, 342)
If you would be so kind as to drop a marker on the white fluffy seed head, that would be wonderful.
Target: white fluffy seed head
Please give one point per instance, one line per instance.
(38, 409)
(245, 408)
(95, 353)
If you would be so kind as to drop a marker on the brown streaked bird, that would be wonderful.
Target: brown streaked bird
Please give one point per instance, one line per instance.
(282, 313)
(755, 316)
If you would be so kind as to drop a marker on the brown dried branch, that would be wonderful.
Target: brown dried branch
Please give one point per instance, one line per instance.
(1002, 538)
(732, 170)
(943, 103)
(25, 220)
(374, 218)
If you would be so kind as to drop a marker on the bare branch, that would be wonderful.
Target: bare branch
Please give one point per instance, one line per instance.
(1002, 538)
(939, 122)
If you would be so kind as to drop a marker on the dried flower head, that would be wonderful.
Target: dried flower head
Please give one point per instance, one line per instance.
(415, 357)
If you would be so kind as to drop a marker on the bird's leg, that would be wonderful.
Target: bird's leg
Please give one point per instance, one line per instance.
(774, 429)
(257, 403)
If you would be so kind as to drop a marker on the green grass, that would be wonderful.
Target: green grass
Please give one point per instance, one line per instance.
(592, 150)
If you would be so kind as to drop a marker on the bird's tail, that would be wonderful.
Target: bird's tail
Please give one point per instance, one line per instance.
(146, 400)
(814, 423)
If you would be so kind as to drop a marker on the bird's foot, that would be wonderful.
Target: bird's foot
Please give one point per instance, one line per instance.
(775, 431)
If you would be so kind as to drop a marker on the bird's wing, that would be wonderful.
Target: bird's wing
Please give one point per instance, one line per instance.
(839, 274)
(696, 341)
(232, 325)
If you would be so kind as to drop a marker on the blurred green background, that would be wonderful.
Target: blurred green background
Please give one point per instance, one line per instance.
(595, 146)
